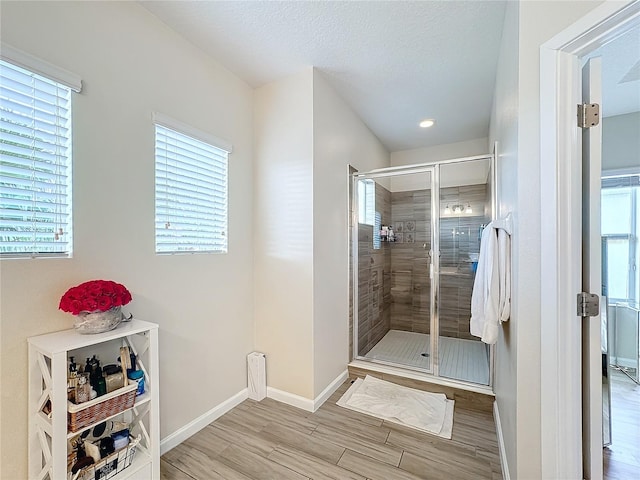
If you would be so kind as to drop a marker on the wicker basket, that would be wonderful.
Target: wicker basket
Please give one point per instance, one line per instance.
(110, 466)
(98, 409)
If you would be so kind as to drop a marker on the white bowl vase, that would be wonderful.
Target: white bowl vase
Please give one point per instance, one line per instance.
(97, 321)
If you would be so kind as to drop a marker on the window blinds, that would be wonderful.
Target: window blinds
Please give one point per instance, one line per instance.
(35, 163)
(191, 194)
(366, 201)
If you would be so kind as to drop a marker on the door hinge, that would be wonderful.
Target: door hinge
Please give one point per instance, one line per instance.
(588, 304)
(588, 115)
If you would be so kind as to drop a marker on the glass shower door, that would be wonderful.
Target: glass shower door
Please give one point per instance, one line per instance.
(464, 209)
(393, 232)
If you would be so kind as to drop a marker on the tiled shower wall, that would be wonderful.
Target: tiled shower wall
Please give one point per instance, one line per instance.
(394, 289)
(374, 279)
(410, 283)
(459, 237)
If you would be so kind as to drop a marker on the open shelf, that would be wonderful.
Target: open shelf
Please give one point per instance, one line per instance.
(48, 369)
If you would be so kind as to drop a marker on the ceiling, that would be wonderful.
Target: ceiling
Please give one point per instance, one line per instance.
(394, 62)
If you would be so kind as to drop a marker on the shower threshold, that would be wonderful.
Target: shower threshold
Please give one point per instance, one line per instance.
(460, 359)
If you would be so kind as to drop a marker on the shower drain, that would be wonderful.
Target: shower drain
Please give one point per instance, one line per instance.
(424, 354)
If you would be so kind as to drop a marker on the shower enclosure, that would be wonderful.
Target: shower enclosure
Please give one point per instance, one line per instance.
(415, 245)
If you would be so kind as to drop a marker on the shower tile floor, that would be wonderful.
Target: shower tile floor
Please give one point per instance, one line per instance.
(460, 359)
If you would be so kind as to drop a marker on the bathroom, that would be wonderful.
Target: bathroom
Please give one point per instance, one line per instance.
(402, 293)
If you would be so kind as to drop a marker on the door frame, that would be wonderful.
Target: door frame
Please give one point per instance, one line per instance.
(390, 172)
(561, 231)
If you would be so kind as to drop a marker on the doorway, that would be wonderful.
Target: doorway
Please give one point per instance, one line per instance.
(563, 431)
(618, 193)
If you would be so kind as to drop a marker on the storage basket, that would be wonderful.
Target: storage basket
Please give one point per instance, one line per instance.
(98, 409)
(110, 466)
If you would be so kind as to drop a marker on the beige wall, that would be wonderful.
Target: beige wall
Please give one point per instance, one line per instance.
(131, 65)
(283, 231)
(305, 136)
(515, 125)
(340, 138)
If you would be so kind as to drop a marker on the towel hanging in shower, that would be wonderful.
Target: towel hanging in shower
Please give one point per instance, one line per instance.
(491, 297)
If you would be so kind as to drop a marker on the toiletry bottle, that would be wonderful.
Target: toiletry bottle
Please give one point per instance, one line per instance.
(87, 367)
(101, 386)
(72, 377)
(97, 380)
(137, 376)
(83, 389)
(113, 377)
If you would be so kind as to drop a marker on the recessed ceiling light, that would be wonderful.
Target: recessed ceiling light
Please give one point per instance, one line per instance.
(427, 123)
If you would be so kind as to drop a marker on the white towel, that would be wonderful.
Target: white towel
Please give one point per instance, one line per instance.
(485, 299)
(504, 273)
(491, 297)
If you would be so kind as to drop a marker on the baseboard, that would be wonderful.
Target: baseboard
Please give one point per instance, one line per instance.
(327, 392)
(176, 438)
(624, 362)
(290, 399)
(303, 402)
(503, 453)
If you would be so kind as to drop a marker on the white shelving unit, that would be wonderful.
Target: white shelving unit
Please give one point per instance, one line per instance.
(48, 368)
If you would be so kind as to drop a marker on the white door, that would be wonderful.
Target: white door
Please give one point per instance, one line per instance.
(591, 275)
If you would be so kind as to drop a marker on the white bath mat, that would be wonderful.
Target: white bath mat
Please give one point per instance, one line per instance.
(425, 411)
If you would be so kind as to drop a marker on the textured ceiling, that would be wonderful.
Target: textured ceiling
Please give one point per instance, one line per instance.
(395, 63)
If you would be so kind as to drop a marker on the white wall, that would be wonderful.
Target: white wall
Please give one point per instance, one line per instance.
(504, 130)
(339, 139)
(283, 231)
(516, 126)
(448, 151)
(621, 142)
(305, 136)
(132, 64)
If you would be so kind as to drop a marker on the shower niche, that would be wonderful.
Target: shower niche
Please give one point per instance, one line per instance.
(412, 287)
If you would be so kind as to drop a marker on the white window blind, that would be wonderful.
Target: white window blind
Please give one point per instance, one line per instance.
(35, 164)
(366, 201)
(191, 194)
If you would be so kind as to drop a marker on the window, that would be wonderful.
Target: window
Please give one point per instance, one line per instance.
(620, 233)
(191, 189)
(35, 158)
(366, 201)
(367, 214)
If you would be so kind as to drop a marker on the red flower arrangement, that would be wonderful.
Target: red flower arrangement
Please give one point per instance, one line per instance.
(93, 295)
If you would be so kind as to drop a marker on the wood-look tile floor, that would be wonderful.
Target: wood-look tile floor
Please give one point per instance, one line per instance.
(270, 440)
(622, 457)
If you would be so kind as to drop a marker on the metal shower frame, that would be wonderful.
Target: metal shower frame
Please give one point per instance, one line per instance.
(433, 168)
